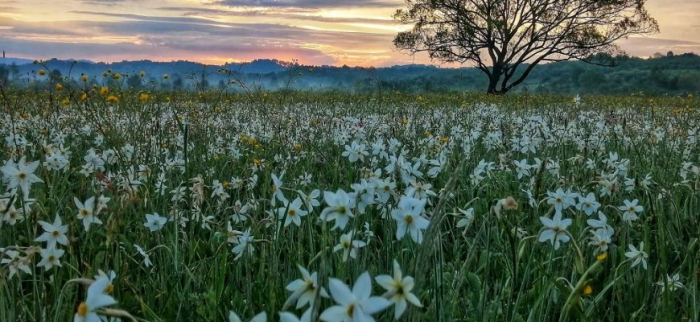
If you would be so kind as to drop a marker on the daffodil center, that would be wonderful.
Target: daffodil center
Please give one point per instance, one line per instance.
(22, 176)
(342, 209)
(408, 219)
(84, 212)
(109, 289)
(351, 310)
(56, 233)
(82, 309)
(292, 212)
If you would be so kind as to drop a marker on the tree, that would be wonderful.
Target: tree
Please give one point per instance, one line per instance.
(514, 36)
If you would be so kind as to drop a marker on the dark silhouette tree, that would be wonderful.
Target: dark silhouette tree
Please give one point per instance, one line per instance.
(501, 36)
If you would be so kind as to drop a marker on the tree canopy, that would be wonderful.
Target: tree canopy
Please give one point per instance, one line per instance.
(501, 36)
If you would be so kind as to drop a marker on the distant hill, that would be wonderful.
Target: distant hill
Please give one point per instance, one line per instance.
(662, 74)
(16, 61)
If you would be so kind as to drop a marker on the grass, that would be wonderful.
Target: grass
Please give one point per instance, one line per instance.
(494, 269)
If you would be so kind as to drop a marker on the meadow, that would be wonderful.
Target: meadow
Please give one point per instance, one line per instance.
(213, 206)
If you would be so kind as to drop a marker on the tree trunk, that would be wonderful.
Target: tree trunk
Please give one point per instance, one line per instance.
(493, 85)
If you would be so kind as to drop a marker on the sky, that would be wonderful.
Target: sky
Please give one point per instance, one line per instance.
(315, 32)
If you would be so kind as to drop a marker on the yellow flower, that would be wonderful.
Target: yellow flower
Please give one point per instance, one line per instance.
(144, 97)
(217, 109)
(165, 76)
(427, 133)
(297, 147)
(84, 97)
(256, 161)
(42, 72)
(104, 90)
(443, 139)
(117, 76)
(65, 101)
(143, 73)
(59, 87)
(587, 290)
(164, 146)
(601, 257)
(404, 122)
(225, 184)
(112, 98)
(84, 79)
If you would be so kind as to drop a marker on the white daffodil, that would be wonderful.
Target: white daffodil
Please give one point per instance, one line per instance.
(340, 206)
(96, 298)
(21, 174)
(637, 255)
(86, 212)
(555, 230)
(154, 222)
(304, 290)
(349, 246)
(409, 219)
(398, 290)
(53, 233)
(356, 305)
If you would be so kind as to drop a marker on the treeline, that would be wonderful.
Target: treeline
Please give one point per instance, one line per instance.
(662, 74)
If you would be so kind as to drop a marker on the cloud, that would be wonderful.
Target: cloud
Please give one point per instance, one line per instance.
(291, 13)
(645, 47)
(169, 38)
(308, 3)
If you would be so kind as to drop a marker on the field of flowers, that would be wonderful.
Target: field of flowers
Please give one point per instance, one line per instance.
(163, 206)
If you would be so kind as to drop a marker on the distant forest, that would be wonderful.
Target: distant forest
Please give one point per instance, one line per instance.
(662, 74)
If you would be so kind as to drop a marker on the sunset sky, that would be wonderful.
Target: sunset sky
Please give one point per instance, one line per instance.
(333, 32)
